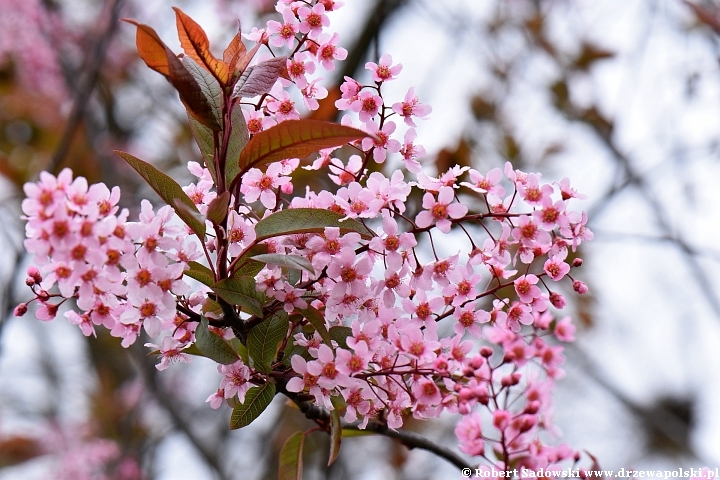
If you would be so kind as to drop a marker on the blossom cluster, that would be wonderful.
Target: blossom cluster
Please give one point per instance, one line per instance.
(123, 275)
(420, 330)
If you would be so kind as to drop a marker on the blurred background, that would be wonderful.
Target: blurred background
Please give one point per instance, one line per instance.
(621, 96)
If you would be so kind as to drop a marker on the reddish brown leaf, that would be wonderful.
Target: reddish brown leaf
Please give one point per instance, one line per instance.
(161, 59)
(152, 50)
(245, 60)
(195, 44)
(295, 139)
(234, 51)
(191, 94)
(259, 79)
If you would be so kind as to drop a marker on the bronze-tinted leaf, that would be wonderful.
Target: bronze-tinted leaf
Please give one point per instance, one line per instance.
(295, 139)
(195, 44)
(191, 94)
(234, 51)
(260, 78)
(152, 50)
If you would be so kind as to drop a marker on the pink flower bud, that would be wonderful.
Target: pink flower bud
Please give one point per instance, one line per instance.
(510, 380)
(509, 357)
(287, 188)
(577, 262)
(486, 352)
(580, 287)
(29, 281)
(20, 310)
(557, 300)
(476, 362)
(532, 407)
(466, 394)
(34, 273)
(43, 295)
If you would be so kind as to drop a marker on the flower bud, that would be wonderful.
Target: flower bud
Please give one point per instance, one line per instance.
(20, 310)
(29, 281)
(577, 262)
(34, 273)
(509, 357)
(466, 394)
(580, 287)
(287, 188)
(43, 295)
(557, 300)
(476, 362)
(532, 407)
(486, 352)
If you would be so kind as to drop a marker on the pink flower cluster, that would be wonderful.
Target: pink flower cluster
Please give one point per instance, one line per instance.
(470, 329)
(124, 275)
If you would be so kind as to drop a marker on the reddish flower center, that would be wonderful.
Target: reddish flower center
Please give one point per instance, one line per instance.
(143, 277)
(147, 309)
(439, 211)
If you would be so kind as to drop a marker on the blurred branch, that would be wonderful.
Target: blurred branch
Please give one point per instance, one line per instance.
(179, 418)
(92, 69)
(321, 416)
(376, 20)
(413, 440)
(661, 420)
(633, 177)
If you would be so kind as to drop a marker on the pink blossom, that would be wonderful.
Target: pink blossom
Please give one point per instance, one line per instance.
(526, 288)
(438, 211)
(328, 51)
(556, 268)
(170, 351)
(367, 105)
(312, 20)
(380, 140)
(384, 70)
(283, 33)
(411, 152)
(411, 107)
(565, 330)
(256, 184)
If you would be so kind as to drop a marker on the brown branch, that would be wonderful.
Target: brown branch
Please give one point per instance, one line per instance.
(179, 418)
(321, 416)
(87, 85)
(413, 440)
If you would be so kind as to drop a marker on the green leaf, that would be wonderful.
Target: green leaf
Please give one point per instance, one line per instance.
(200, 272)
(289, 261)
(241, 350)
(340, 335)
(213, 346)
(218, 208)
(238, 140)
(246, 265)
(241, 291)
(169, 190)
(205, 141)
(211, 306)
(191, 350)
(352, 432)
(294, 276)
(264, 340)
(256, 401)
(291, 464)
(306, 220)
(335, 435)
(208, 85)
(295, 139)
(317, 321)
